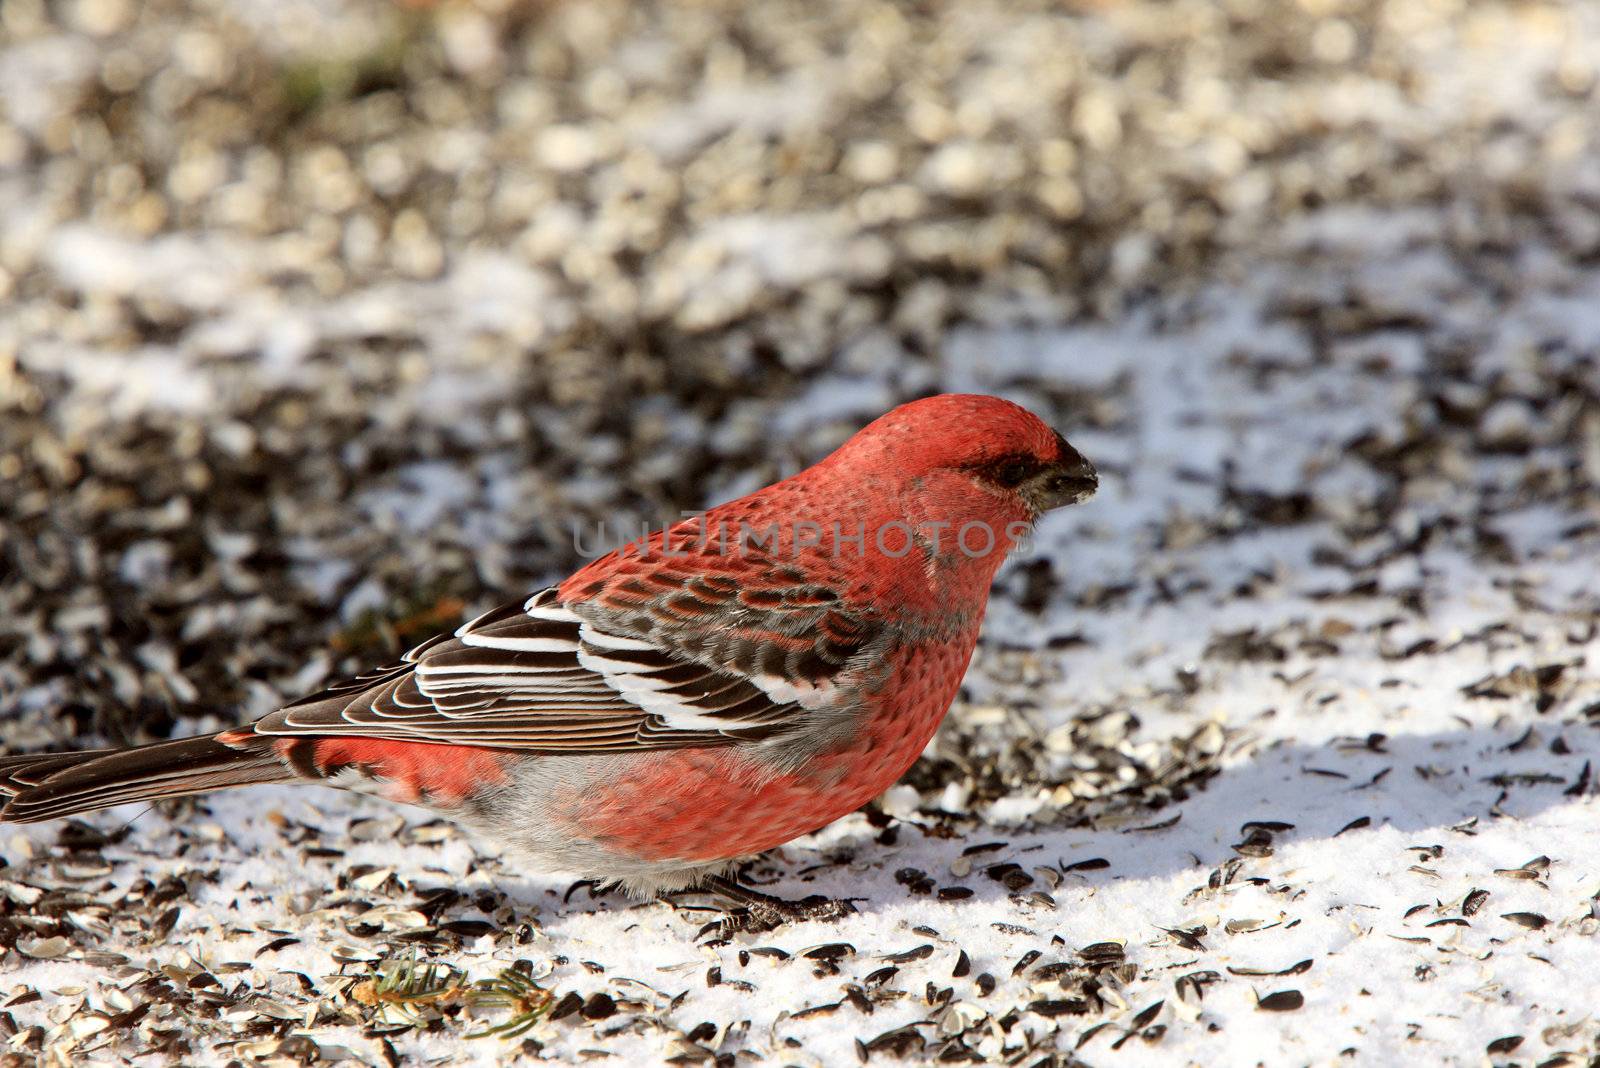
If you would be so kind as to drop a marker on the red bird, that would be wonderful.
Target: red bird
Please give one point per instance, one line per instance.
(730, 683)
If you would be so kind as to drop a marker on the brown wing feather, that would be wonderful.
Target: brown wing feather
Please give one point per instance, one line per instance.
(656, 662)
(538, 676)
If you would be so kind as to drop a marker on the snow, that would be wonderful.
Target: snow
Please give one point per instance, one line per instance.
(1304, 700)
(1403, 792)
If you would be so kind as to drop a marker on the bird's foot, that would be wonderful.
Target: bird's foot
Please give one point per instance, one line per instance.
(758, 912)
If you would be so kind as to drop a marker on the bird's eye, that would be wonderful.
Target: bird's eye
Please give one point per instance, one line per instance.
(1012, 472)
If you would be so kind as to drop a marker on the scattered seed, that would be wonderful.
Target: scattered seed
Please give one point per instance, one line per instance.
(921, 952)
(1281, 1001)
(1293, 969)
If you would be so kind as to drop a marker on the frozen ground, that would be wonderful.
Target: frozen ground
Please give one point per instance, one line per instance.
(1280, 751)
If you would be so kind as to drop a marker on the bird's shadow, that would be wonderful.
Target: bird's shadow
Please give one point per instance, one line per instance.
(1279, 794)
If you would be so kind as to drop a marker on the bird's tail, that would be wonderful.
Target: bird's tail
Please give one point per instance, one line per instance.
(64, 784)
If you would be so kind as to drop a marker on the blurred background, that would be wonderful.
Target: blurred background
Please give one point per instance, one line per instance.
(325, 322)
(322, 322)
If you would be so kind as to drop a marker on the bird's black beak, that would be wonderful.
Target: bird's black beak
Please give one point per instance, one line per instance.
(1070, 479)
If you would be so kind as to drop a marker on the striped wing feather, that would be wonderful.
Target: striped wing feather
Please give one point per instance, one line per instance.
(540, 676)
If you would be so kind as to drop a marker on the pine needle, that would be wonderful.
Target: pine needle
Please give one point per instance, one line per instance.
(516, 992)
(413, 993)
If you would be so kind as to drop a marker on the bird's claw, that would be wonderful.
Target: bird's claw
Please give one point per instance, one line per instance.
(761, 916)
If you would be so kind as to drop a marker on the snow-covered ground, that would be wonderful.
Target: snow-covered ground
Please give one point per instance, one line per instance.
(1401, 824)
(1280, 751)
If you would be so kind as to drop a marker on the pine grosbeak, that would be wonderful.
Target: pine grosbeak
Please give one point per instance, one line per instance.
(730, 683)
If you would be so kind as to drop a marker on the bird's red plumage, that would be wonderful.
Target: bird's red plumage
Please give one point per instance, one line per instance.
(699, 805)
(411, 771)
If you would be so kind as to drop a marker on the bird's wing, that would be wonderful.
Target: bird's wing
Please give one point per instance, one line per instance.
(708, 661)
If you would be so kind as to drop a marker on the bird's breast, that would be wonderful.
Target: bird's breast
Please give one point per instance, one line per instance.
(700, 805)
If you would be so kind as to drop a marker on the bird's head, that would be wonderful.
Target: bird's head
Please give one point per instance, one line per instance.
(979, 457)
(921, 506)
